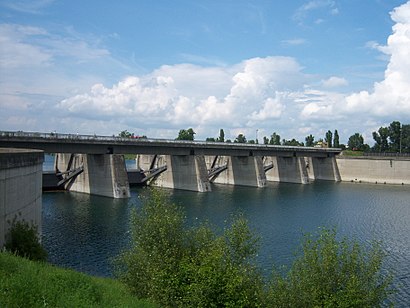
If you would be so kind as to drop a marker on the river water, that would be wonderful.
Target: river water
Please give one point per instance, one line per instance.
(85, 232)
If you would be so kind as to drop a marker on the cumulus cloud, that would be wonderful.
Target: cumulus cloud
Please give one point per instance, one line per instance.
(334, 82)
(181, 95)
(392, 95)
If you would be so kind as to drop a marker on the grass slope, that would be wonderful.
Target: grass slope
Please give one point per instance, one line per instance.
(25, 283)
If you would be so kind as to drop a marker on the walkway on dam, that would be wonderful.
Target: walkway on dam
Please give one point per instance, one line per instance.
(93, 144)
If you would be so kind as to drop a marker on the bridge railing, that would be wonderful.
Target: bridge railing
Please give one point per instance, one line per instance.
(118, 139)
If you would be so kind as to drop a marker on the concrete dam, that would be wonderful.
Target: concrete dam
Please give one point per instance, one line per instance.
(96, 165)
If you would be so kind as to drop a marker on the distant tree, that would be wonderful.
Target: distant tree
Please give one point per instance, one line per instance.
(221, 137)
(356, 143)
(394, 136)
(228, 141)
(252, 141)
(210, 139)
(310, 140)
(126, 134)
(292, 142)
(240, 139)
(328, 139)
(187, 134)
(274, 139)
(381, 137)
(265, 140)
(405, 138)
(336, 143)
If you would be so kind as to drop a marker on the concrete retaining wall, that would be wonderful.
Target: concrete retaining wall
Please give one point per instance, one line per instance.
(20, 187)
(374, 170)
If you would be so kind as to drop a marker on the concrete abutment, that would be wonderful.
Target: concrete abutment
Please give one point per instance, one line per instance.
(20, 188)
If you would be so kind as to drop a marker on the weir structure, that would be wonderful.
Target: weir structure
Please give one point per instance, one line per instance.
(95, 164)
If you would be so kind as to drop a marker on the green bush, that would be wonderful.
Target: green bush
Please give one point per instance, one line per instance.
(22, 240)
(331, 273)
(176, 266)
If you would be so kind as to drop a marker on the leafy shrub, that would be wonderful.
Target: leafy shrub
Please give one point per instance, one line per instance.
(176, 266)
(22, 240)
(331, 273)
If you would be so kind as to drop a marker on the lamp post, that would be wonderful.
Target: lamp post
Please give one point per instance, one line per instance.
(401, 130)
(256, 141)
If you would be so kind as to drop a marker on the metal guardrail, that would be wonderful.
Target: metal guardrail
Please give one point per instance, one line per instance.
(386, 154)
(116, 139)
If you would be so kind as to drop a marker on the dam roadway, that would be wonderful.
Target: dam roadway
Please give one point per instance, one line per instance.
(92, 144)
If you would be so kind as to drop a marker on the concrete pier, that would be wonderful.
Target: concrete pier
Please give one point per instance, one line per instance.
(323, 168)
(287, 169)
(20, 188)
(242, 170)
(103, 174)
(187, 172)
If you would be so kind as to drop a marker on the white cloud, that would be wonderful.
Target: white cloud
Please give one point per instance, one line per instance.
(334, 82)
(27, 6)
(294, 42)
(184, 95)
(390, 97)
(314, 5)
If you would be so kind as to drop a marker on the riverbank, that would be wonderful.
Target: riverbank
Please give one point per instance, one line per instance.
(25, 283)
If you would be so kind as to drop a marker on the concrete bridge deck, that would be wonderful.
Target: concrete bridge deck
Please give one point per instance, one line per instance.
(92, 144)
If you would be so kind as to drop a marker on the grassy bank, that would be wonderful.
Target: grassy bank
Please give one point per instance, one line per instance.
(25, 283)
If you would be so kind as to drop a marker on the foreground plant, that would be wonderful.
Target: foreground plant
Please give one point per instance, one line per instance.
(176, 266)
(332, 273)
(22, 240)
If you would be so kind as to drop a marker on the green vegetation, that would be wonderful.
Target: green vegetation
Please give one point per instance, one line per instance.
(394, 138)
(22, 240)
(331, 273)
(173, 265)
(176, 266)
(186, 134)
(25, 283)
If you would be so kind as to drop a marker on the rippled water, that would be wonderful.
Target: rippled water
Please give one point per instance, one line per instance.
(85, 232)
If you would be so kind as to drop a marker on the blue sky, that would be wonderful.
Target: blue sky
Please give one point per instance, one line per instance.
(153, 67)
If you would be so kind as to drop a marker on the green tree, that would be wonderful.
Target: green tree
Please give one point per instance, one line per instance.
(210, 139)
(328, 139)
(405, 138)
(336, 142)
(292, 142)
(221, 137)
(274, 139)
(22, 239)
(265, 140)
(179, 267)
(332, 273)
(186, 134)
(310, 140)
(356, 143)
(381, 137)
(125, 134)
(240, 139)
(394, 136)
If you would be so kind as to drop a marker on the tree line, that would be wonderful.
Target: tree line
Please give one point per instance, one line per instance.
(393, 138)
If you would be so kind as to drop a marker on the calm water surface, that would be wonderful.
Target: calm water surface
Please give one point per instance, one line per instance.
(85, 232)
